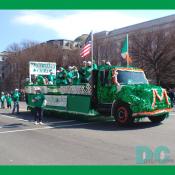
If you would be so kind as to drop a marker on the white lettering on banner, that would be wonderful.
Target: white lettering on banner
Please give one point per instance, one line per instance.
(42, 68)
(55, 100)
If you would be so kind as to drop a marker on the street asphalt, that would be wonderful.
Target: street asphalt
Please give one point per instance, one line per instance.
(63, 141)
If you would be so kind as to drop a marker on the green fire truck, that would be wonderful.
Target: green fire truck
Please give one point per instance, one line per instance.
(129, 98)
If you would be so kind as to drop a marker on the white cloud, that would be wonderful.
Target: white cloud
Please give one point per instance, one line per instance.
(73, 24)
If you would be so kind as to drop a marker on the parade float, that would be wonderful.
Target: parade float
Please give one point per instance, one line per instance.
(130, 98)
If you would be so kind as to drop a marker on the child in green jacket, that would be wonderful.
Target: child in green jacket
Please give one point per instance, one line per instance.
(9, 101)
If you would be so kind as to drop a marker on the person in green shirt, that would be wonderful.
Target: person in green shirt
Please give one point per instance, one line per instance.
(51, 78)
(82, 72)
(88, 71)
(15, 97)
(61, 77)
(2, 100)
(70, 75)
(105, 64)
(64, 78)
(95, 67)
(57, 77)
(39, 102)
(75, 76)
(102, 65)
(9, 101)
(40, 80)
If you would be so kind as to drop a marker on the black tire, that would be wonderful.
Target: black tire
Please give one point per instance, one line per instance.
(157, 119)
(123, 115)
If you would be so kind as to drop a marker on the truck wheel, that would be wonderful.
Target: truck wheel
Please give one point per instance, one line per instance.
(157, 119)
(123, 115)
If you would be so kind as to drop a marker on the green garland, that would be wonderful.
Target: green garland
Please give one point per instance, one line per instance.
(140, 97)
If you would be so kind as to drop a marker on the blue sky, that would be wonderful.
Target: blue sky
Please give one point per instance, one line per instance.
(39, 25)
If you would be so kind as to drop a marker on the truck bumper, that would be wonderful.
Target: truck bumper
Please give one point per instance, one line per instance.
(151, 113)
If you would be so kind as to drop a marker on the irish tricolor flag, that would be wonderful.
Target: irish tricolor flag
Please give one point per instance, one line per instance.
(125, 51)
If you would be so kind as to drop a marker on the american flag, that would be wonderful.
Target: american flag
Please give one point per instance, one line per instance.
(86, 49)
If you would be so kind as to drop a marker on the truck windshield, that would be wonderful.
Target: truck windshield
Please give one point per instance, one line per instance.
(128, 77)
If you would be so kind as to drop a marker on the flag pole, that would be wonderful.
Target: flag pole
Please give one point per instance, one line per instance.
(30, 76)
(127, 51)
(92, 47)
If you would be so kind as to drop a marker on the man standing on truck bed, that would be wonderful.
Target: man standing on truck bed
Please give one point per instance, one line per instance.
(82, 72)
(61, 77)
(70, 74)
(88, 71)
(51, 78)
(76, 76)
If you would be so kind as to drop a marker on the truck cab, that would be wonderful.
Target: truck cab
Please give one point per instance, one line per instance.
(126, 94)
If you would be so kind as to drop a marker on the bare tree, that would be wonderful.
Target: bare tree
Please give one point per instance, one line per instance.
(16, 66)
(106, 48)
(154, 52)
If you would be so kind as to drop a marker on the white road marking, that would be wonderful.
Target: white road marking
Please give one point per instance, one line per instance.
(23, 130)
(20, 119)
(57, 122)
(46, 127)
(6, 116)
